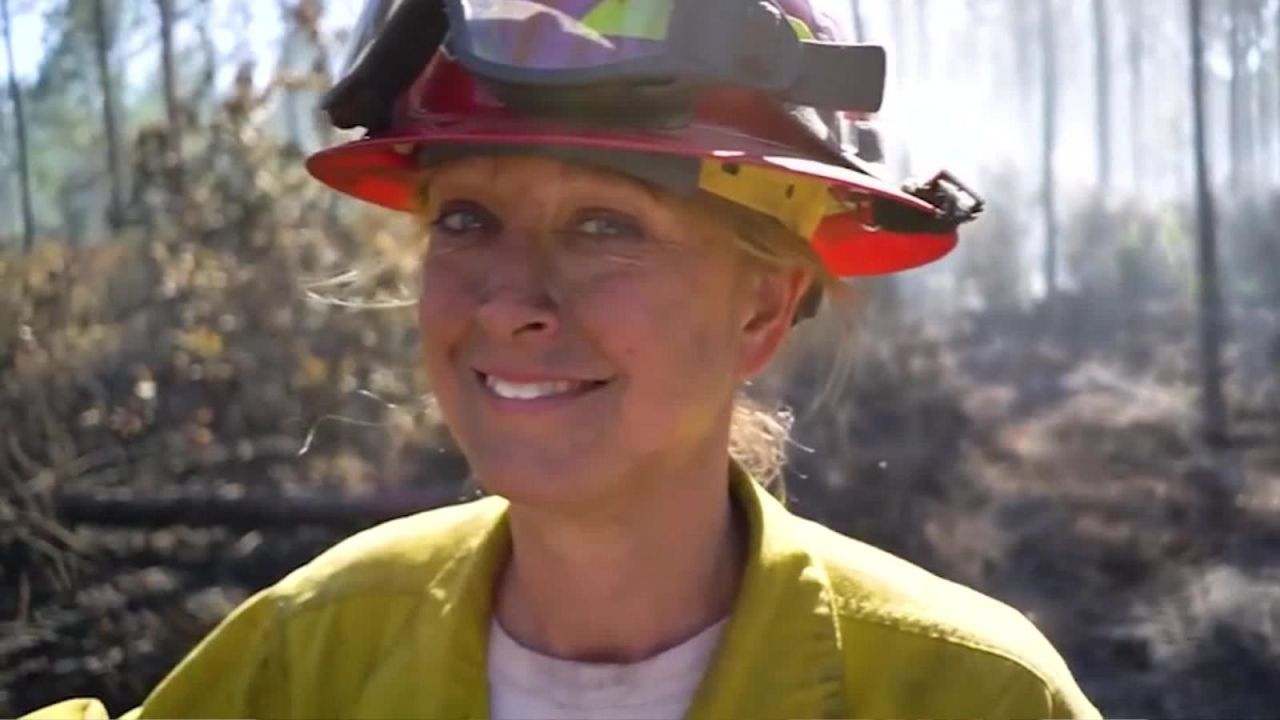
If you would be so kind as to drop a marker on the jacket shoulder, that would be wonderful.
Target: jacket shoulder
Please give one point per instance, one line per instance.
(925, 621)
(273, 656)
(398, 556)
(872, 585)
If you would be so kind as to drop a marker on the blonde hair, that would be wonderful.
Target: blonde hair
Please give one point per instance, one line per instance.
(760, 430)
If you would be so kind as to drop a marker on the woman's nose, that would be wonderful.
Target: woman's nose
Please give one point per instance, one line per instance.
(516, 300)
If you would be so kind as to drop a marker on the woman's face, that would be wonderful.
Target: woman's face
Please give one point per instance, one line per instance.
(579, 328)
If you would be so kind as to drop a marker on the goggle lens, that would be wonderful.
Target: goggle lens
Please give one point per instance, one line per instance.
(566, 34)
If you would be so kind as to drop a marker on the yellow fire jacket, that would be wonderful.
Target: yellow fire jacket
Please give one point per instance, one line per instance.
(392, 623)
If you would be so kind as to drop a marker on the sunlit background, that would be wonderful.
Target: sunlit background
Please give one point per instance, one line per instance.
(1078, 411)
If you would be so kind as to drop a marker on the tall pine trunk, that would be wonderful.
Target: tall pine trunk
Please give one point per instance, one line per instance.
(173, 108)
(1236, 110)
(9, 212)
(1137, 90)
(901, 73)
(20, 123)
(1027, 88)
(1102, 86)
(1048, 144)
(104, 43)
(1213, 414)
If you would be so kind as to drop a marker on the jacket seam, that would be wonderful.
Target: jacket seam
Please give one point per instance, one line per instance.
(294, 607)
(833, 606)
(279, 649)
(334, 588)
(1014, 659)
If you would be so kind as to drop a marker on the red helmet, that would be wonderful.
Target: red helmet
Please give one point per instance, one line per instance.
(789, 161)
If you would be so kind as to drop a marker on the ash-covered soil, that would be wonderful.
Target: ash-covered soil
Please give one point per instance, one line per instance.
(157, 399)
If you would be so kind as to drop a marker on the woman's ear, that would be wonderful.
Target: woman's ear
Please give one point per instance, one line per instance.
(772, 299)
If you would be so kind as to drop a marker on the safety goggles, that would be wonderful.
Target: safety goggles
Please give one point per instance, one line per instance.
(652, 44)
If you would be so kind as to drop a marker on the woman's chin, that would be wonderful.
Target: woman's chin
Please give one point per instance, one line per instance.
(537, 481)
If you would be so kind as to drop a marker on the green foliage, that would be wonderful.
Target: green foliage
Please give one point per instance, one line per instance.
(185, 359)
(69, 52)
(989, 263)
(1252, 250)
(1128, 252)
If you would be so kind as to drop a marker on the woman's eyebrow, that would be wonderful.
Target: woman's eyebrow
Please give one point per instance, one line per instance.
(576, 185)
(606, 190)
(597, 179)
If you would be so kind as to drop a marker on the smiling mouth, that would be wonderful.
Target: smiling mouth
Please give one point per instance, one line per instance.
(509, 390)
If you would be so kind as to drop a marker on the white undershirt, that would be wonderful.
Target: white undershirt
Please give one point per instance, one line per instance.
(525, 685)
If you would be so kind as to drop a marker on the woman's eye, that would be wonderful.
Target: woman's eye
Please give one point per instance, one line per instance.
(461, 220)
(610, 227)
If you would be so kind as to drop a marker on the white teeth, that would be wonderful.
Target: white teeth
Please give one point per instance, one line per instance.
(529, 391)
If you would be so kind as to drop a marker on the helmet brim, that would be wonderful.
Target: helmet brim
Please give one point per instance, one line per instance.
(386, 171)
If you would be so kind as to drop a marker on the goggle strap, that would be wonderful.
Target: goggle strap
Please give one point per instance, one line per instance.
(398, 52)
(840, 77)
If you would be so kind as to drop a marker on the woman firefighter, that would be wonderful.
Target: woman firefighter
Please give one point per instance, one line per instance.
(628, 205)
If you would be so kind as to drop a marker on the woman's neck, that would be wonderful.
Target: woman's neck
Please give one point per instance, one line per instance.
(625, 588)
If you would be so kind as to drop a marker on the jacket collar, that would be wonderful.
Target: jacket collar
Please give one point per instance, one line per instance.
(780, 655)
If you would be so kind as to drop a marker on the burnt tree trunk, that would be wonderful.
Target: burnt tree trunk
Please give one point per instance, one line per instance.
(1102, 86)
(204, 510)
(104, 43)
(1237, 132)
(1048, 143)
(173, 108)
(20, 123)
(1137, 90)
(1213, 414)
(8, 197)
(901, 72)
(1023, 58)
